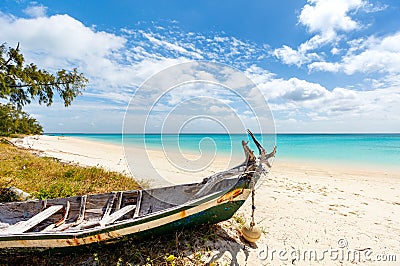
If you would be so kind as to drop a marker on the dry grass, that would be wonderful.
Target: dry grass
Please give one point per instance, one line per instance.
(45, 177)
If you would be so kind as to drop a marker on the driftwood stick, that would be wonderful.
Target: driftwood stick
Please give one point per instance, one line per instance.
(263, 155)
(272, 154)
(260, 148)
(250, 157)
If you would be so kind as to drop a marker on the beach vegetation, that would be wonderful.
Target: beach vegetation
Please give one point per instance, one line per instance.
(14, 121)
(21, 83)
(46, 177)
(239, 218)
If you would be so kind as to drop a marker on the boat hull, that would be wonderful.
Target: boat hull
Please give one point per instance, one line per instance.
(208, 211)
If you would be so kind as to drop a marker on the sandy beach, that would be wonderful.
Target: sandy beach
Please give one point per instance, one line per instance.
(337, 215)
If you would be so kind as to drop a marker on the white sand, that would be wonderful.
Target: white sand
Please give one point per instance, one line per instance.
(302, 207)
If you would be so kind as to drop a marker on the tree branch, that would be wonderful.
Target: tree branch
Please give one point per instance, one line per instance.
(11, 56)
(39, 84)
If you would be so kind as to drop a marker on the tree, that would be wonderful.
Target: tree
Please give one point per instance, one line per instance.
(16, 121)
(20, 83)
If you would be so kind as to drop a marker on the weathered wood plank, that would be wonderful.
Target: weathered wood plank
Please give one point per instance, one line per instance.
(79, 220)
(110, 203)
(35, 220)
(60, 222)
(138, 203)
(116, 215)
(82, 210)
(119, 200)
(107, 219)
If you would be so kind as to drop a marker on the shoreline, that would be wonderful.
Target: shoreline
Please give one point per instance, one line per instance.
(356, 160)
(350, 168)
(299, 206)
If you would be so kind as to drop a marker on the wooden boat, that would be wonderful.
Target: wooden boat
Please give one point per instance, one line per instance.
(109, 217)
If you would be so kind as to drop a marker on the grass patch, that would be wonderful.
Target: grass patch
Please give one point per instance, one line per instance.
(45, 177)
(239, 219)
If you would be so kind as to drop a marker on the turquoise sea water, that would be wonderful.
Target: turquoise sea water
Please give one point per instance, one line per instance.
(381, 150)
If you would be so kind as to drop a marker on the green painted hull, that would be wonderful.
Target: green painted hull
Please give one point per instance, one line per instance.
(213, 215)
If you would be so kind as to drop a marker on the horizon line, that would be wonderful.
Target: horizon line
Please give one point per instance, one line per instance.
(213, 133)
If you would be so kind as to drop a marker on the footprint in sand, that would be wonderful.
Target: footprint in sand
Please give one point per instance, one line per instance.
(338, 205)
(378, 199)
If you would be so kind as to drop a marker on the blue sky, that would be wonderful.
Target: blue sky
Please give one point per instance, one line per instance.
(323, 66)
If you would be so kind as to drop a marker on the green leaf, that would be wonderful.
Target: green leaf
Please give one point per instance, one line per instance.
(170, 258)
(20, 83)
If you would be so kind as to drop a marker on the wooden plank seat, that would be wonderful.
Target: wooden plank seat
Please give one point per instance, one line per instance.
(108, 219)
(24, 226)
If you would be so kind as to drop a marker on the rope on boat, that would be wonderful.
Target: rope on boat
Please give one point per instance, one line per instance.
(253, 206)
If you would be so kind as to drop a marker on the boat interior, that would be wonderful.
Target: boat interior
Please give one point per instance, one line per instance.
(74, 214)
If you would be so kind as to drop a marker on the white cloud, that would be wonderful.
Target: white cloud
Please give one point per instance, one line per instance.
(172, 46)
(372, 8)
(313, 106)
(367, 55)
(36, 11)
(160, 42)
(326, 20)
(290, 56)
(61, 41)
(328, 17)
(324, 66)
(59, 38)
(303, 55)
(335, 51)
(292, 90)
(380, 55)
